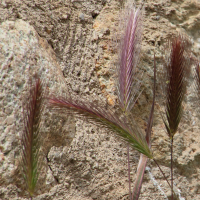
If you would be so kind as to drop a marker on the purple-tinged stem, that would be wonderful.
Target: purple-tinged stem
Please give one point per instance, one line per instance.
(162, 172)
(129, 176)
(172, 197)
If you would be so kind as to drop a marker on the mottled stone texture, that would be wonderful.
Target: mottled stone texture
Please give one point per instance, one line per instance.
(72, 46)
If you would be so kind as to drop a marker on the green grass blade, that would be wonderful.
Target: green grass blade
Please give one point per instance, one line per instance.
(103, 117)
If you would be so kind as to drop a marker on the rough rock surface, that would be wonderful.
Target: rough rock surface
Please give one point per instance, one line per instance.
(71, 45)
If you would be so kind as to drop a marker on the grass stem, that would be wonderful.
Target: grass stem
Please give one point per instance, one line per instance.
(172, 196)
(129, 176)
(162, 172)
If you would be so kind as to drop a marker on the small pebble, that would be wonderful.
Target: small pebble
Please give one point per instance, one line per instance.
(81, 17)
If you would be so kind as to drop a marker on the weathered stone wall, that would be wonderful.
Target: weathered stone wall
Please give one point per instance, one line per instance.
(71, 45)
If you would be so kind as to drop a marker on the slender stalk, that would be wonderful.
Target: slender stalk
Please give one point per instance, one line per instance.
(129, 176)
(172, 197)
(173, 193)
(162, 172)
(139, 176)
(165, 178)
(143, 159)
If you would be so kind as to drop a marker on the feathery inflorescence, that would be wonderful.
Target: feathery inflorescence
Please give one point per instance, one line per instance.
(32, 111)
(176, 84)
(128, 85)
(176, 81)
(103, 117)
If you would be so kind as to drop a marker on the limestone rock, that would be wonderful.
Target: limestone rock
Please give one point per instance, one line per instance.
(23, 54)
